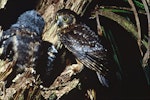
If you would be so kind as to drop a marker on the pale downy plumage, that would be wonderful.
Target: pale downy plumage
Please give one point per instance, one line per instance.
(22, 43)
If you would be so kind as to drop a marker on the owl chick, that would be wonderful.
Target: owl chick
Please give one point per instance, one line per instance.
(84, 43)
(22, 42)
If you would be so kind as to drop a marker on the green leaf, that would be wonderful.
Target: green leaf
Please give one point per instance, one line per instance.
(117, 10)
(122, 21)
(138, 4)
(147, 74)
(116, 56)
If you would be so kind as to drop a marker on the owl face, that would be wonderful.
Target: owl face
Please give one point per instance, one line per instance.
(65, 18)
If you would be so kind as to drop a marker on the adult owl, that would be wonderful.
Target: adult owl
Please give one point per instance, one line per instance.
(23, 44)
(84, 43)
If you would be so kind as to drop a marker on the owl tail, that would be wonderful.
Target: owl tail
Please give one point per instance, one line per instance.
(102, 79)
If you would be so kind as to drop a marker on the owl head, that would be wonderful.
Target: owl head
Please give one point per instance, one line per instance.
(65, 18)
(32, 21)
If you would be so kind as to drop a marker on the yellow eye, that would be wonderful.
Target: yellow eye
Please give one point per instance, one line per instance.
(65, 19)
(56, 17)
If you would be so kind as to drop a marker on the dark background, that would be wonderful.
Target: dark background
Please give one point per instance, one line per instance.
(133, 85)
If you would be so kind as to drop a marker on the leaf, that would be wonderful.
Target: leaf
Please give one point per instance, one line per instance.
(122, 21)
(116, 56)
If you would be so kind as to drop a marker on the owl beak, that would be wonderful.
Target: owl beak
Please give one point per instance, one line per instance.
(59, 23)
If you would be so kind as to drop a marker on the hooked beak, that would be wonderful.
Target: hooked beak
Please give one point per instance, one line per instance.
(59, 23)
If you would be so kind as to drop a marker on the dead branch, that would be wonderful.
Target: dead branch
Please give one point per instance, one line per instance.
(99, 27)
(137, 24)
(147, 54)
(91, 94)
(20, 84)
(63, 83)
(3, 3)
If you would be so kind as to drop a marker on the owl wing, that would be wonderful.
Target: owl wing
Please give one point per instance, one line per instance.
(91, 62)
(6, 43)
(85, 45)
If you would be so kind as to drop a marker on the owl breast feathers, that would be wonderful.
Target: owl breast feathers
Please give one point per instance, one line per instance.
(84, 43)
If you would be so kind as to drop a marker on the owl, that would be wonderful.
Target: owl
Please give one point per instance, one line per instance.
(84, 43)
(22, 43)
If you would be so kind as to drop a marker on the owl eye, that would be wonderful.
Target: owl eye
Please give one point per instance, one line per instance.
(65, 19)
(56, 18)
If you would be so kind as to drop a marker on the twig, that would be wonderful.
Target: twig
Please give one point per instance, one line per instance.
(99, 28)
(6, 69)
(147, 54)
(91, 93)
(129, 26)
(137, 24)
(148, 2)
(114, 8)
